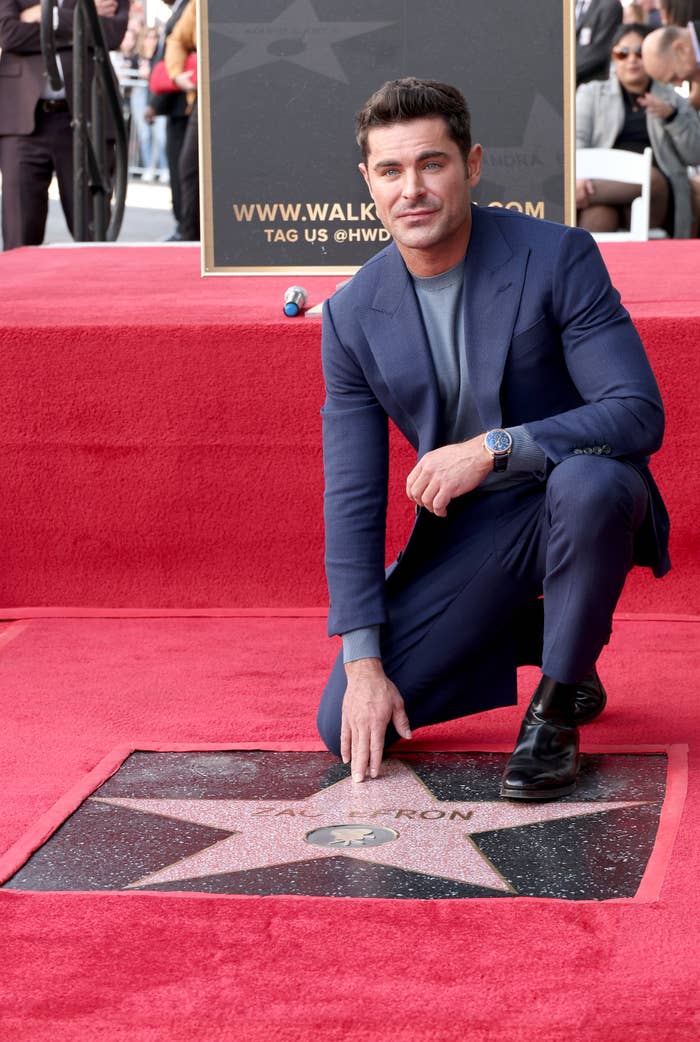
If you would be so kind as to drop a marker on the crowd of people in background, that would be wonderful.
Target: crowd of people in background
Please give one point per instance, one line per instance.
(163, 134)
(619, 105)
(132, 64)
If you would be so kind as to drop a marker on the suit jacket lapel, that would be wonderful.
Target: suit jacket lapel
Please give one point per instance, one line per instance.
(494, 275)
(395, 331)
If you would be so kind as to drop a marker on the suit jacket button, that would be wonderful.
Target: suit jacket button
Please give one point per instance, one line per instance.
(606, 450)
(588, 450)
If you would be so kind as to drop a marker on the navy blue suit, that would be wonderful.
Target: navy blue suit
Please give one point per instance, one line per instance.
(548, 346)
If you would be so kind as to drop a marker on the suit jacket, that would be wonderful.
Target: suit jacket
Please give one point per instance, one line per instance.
(22, 71)
(548, 345)
(598, 26)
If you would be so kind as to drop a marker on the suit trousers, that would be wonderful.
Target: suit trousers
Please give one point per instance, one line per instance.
(456, 599)
(27, 163)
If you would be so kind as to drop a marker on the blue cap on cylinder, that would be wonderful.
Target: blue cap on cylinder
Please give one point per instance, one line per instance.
(295, 300)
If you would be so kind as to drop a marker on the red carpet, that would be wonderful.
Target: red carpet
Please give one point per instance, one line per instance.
(150, 966)
(157, 424)
(161, 449)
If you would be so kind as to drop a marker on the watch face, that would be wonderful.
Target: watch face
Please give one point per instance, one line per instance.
(498, 441)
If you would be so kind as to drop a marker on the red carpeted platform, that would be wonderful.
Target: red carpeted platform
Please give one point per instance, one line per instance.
(163, 432)
(161, 449)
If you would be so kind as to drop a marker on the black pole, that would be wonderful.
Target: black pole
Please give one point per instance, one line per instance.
(80, 178)
(100, 191)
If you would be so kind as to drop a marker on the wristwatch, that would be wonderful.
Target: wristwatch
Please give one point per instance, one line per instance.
(499, 444)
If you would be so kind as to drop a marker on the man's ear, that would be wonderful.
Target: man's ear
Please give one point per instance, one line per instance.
(474, 161)
(365, 173)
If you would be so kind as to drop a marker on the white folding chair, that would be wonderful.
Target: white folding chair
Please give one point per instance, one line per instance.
(613, 164)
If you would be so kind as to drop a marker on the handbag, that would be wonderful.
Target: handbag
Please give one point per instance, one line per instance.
(161, 83)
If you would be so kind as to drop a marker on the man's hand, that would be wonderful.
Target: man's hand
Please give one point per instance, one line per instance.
(371, 702)
(31, 14)
(656, 107)
(585, 191)
(445, 473)
(106, 8)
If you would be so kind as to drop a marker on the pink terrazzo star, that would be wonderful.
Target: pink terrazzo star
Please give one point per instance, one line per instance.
(405, 824)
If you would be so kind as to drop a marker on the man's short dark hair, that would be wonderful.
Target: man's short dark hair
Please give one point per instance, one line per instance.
(639, 28)
(409, 98)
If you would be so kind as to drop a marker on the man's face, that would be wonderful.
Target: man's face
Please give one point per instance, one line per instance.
(421, 188)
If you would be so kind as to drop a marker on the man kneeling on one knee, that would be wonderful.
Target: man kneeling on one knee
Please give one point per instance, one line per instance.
(497, 345)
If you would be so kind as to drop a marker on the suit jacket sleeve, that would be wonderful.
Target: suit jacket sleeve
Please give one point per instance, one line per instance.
(182, 41)
(622, 414)
(356, 464)
(25, 37)
(684, 129)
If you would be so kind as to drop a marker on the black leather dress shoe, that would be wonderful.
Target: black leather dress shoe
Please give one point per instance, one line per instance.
(545, 761)
(590, 699)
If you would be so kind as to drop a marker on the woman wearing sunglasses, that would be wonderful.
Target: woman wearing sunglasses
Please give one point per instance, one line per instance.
(631, 111)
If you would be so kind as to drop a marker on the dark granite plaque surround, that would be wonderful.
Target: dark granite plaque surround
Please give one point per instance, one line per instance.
(273, 822)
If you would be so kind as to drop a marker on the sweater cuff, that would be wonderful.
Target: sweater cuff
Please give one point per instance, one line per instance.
(526, 457)
(361, 643)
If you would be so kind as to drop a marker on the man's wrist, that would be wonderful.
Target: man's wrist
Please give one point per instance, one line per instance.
(364, 667)
(361, 643)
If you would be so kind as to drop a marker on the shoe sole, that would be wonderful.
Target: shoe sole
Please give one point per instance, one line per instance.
(536, 794)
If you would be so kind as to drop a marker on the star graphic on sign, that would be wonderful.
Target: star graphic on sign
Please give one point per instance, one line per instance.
(394, 821)
(295, 36)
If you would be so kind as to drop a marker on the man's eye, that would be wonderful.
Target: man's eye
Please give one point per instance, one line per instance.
(433, 165)
(390, 172)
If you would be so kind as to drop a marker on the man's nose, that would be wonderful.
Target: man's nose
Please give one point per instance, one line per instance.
(412, 185)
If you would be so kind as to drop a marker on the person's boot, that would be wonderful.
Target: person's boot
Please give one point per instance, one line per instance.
(529, 629)
(545, 762)
(590, 699)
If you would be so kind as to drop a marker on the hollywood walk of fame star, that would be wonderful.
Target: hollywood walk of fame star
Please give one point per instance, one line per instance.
(296, 35)
(394, 821)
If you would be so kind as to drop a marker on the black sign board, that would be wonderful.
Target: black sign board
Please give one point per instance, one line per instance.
(281, 81)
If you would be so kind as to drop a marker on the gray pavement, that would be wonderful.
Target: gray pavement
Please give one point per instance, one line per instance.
(147, 217)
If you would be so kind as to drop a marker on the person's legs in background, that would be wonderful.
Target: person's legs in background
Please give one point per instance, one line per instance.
(160, 155)
(27, 166)
(188, 171)
(608, 209)
(175, 129)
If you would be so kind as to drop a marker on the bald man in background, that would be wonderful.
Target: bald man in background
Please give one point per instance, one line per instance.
(672, 55)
